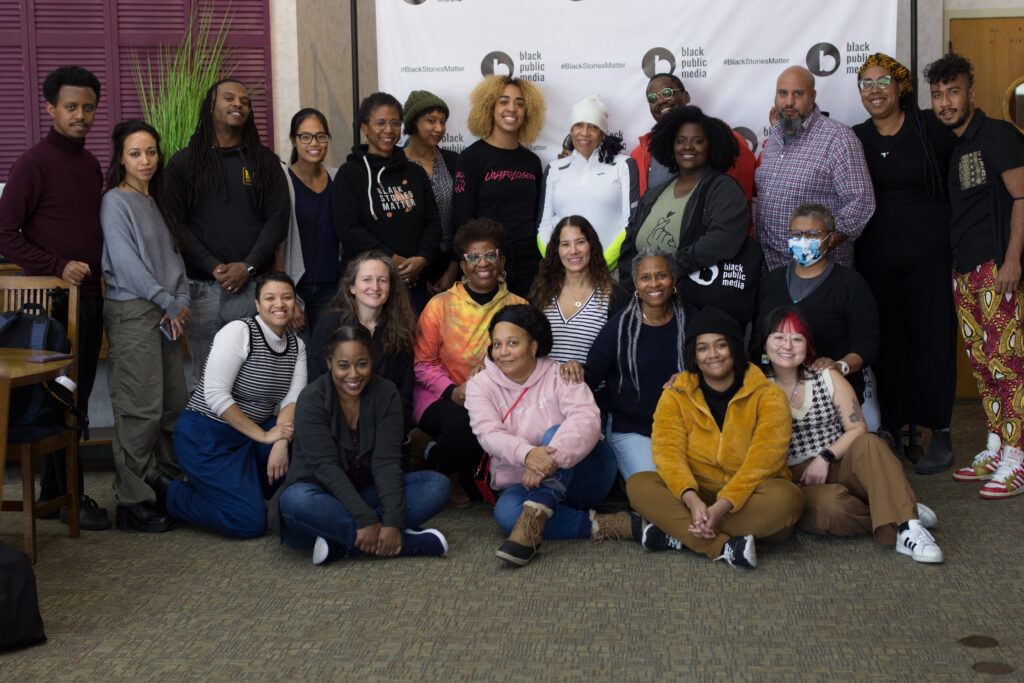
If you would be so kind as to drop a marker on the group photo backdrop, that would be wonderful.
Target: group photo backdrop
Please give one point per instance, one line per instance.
(728, 54)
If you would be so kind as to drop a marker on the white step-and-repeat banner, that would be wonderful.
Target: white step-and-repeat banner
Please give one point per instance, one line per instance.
(728, 54)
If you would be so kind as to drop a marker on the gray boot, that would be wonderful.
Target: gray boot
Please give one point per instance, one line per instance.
(939, 457)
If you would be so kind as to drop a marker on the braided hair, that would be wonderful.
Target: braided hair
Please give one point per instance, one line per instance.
(632, 321)
(202, 176)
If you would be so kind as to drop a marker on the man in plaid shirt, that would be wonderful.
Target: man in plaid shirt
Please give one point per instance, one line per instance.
(809, 158)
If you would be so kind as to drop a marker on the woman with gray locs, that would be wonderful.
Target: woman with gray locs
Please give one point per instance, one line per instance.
(345, 493)
(145, 315)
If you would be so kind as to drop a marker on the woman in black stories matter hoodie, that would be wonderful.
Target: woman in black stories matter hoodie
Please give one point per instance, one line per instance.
(383, 201)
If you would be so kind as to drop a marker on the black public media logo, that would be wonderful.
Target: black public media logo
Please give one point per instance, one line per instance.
(823, 59)
(654, 60)
(491, 62)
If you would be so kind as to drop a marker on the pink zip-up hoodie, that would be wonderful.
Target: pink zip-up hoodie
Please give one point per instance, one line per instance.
(549, 400)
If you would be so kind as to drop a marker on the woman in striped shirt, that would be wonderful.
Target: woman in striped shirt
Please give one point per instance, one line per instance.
(233, 439)
(574, 291)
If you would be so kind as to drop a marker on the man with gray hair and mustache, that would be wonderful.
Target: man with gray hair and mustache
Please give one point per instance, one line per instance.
(809, 158)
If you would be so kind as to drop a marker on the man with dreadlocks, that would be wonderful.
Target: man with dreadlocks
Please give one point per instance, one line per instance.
(230, 197)
(905, 257)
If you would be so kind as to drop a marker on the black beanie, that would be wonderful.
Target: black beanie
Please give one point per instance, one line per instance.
(711, 320)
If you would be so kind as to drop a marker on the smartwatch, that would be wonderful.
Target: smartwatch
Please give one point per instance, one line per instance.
(844, 367)
(252, 273)
(828, 456)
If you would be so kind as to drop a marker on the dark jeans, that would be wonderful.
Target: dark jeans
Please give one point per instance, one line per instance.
(455, 450)
(307, 511)
(52, 477)
(316, 296)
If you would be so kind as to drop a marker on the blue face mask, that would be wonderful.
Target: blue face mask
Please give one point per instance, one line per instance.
(805, 251)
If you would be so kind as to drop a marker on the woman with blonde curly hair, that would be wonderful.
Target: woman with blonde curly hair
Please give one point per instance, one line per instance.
(497, 177)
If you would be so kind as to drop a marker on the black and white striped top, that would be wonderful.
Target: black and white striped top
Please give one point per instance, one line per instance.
(573, 336)
(816, 424)
(262, 382)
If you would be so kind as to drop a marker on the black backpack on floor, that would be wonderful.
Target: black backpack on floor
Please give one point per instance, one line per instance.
(37, 410)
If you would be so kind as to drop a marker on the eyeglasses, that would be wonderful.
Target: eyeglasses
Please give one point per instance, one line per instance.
(780, 338)
(883, 83)
(491, 255)
(306, 138)
(664, 93)
(381, 124)
(813, 234)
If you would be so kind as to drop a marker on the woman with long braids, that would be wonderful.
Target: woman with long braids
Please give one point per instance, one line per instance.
(229, 194)
(904, 254)
(574, 290)
(595, 181)
(145, 315)
(638, 350)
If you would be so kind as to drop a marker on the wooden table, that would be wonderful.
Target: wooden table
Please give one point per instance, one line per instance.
(16, 371)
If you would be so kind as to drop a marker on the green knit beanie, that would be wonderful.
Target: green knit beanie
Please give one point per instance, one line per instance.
(418, 102)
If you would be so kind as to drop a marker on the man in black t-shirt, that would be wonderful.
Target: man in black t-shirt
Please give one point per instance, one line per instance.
(986, 189)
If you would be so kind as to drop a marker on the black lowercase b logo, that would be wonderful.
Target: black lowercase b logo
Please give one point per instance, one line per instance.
(658, 60)
(491, 62)
(823, 59)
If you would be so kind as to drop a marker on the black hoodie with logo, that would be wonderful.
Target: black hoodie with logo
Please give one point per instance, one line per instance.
(385, 203)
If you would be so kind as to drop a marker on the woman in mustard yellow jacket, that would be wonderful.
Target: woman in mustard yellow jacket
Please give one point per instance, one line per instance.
(719, 440)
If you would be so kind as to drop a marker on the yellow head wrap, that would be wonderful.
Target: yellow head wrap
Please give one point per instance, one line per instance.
(898, 71)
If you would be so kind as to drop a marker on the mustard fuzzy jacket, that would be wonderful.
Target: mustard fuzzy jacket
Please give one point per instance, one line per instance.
(691, 452)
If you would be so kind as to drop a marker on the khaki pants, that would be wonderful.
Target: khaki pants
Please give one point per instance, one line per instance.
(146, 375)
(865, 491)
(770, 513)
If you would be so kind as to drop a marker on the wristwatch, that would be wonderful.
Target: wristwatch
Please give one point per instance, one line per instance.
(844, 367)
(252, 273)
(827, 455)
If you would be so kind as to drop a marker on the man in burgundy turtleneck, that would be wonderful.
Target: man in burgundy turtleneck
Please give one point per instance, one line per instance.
(50, 225)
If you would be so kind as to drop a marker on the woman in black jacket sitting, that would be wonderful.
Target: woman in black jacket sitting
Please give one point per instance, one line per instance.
(345, 493)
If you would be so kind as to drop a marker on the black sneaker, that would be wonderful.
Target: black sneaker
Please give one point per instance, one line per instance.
(517, 554)
(91, 516)
(423, 543)
(739, 552)
(656, 540)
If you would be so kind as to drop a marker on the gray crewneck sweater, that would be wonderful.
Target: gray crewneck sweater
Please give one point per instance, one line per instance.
(139, 259)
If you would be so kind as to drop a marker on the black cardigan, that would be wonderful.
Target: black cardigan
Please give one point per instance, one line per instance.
(323, 446)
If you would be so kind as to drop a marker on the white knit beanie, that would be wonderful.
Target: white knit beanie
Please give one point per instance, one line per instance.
(591, 110)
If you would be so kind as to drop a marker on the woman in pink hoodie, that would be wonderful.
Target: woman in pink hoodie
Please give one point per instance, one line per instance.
(543, 435)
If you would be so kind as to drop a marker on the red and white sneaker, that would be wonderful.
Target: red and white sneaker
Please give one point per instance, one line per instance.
(984, 464)
(1008, 480)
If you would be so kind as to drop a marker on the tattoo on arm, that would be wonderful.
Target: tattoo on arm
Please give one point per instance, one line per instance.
(855, 415)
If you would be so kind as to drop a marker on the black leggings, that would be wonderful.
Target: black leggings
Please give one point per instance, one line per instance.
(455, 450)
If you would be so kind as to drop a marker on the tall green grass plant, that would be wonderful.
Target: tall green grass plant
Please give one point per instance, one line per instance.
(175, 78)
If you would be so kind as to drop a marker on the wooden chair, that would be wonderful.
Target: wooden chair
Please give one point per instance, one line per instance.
(15, 291)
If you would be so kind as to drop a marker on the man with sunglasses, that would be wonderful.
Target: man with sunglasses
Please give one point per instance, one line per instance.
(666, 92)
(809, 159)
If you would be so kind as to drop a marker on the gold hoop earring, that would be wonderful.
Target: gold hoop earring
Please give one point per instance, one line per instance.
(636, 295)
(502, 276)
(465, 279)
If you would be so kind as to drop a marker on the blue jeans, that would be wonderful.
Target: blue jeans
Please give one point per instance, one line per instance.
(227, 477)
(575, 491)
(632, 452)
(307, 511)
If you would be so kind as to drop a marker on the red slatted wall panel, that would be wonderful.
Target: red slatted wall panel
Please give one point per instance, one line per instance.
(37, 36)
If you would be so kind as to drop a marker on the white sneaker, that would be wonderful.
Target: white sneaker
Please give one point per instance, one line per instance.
(927, 516)
(984, 464)
(1008, 480)
(918, 543)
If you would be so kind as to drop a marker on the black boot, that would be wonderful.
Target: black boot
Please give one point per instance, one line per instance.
(939, 457)
(158, 481)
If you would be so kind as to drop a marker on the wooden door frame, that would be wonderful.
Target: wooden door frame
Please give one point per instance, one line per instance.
(981, 13)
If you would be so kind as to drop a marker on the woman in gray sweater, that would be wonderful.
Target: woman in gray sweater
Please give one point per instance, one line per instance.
(145, 314)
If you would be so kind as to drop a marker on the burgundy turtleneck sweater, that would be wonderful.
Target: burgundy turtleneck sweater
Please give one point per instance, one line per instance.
(50, 210)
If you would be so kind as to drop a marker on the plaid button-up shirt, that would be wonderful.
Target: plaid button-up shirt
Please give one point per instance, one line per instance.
(824, 163)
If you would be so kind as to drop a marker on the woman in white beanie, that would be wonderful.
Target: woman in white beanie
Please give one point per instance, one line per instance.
(595, 181)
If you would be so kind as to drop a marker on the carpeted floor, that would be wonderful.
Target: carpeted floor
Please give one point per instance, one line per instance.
(192, 605)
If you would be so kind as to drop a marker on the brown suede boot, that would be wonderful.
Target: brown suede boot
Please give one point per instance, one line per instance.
(525, 538)
(621, 526)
